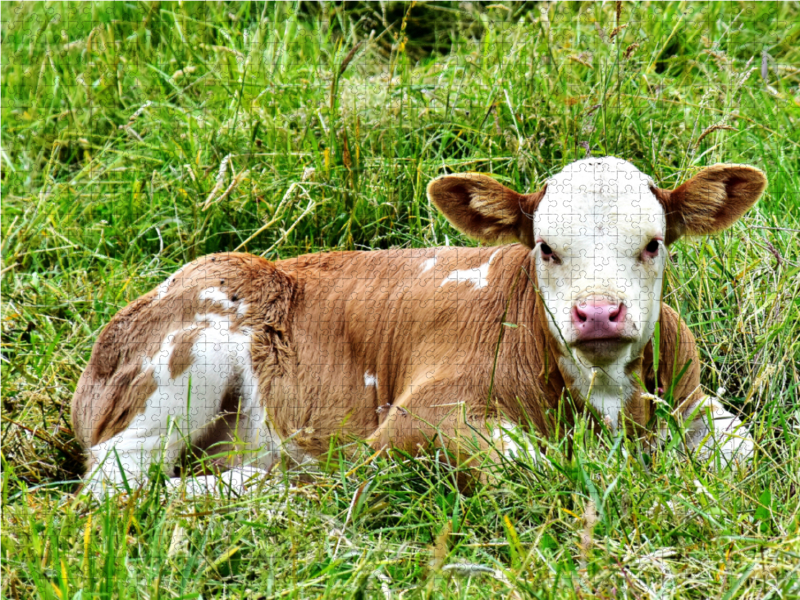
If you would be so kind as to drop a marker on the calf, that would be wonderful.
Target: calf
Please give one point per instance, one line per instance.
(400, 347)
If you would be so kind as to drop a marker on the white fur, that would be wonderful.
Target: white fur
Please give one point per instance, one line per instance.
(370, 380)
(217, 296)
(235, 482)
(711, 428)
(477, 276)
(513, 442)
(173, 416)
(428, 264)
(597, 215)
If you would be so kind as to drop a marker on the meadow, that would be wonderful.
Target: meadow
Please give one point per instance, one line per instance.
(139, 136)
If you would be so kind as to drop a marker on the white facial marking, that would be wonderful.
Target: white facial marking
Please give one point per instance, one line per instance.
(596, 218)
(370, 380)
(477, 276)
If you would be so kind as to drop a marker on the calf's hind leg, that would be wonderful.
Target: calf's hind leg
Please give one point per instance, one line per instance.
(187, 408)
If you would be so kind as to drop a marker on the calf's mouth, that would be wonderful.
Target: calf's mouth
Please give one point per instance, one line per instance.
(603, 350)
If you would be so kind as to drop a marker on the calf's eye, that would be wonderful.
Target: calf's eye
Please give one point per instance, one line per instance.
(651, 250)
(547, 253)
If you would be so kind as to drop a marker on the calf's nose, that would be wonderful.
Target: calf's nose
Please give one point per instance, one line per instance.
(597, 319)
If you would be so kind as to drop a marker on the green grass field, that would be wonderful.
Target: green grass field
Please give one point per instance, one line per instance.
(136, 137)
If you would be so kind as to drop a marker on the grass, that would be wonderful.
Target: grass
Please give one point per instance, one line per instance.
(136, 137)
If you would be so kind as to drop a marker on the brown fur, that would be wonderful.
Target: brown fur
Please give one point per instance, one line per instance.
(431, 348)
(710, 201)
(181, 357)
(485, 209)
(121, 400)
(321, 321)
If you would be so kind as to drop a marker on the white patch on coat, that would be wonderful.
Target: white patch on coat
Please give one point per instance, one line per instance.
(216, 296)
(513, 441)
(216, 320)
(477, 276)
(175, 414)
(428, 264)
(370, 380)
(234, 482)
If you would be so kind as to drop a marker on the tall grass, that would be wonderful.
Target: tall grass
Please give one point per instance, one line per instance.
(136, 137)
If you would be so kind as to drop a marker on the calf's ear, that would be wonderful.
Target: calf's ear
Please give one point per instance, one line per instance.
(711, 201)
(484, 209)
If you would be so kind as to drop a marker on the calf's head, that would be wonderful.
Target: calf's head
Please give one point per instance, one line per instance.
(598, 231)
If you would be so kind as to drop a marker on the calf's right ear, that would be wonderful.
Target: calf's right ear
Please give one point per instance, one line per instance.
(484, 209)
(711, 201)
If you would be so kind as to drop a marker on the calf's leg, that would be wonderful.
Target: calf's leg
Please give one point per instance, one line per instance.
(712, 429)
(435, 412)
(213, 402)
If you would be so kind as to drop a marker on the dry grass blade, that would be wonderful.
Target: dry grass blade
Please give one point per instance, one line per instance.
(587, 532)
(349, 57)
(712, 129)
(439, 550)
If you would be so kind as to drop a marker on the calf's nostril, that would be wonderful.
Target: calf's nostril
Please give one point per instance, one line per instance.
(578, 315)
(617, 314)
(613, 314)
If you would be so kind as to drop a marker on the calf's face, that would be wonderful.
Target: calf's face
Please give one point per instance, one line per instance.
(599, 234)
(599, 231)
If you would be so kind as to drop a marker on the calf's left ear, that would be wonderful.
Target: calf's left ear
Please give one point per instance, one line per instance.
(711, 201)
(482, 208)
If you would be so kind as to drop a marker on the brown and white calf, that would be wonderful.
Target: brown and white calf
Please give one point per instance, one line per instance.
(394, 346)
